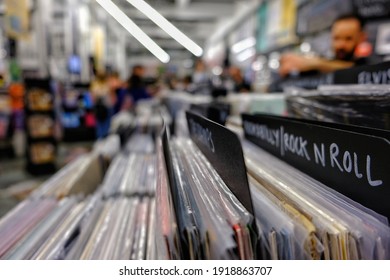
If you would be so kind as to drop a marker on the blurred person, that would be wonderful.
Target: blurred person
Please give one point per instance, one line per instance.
(136, 84)
(347, 34)
(117, 91)
(2, 80)
(239, 82)
(114, 83)
(186, 83)
(100, 91)
(201, 79)
(171, 81)
(200, 72)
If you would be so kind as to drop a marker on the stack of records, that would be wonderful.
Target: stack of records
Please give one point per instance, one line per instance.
(131, 175)
(41, 229)
(61, 220)
(73, 179)
(364, 105)
(211, 222)
(117, 229)
(300, 218)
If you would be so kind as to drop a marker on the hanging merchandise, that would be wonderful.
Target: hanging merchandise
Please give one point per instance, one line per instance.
(5, 115)
(4, 123)
(70, 120)
(17, 18)
(16, 92)
(77, 117)
(39, 122)
(40, 126)
(15, 70)
(317, 16)
(262, 41)
(6, 127)
(382, 43)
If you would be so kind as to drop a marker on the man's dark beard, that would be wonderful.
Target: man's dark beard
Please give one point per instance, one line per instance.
(346, 56)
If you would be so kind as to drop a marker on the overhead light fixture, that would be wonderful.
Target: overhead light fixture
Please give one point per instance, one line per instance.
(168, 27)
(246, 54)
(134, 30)
(182, 3)
(244, 44)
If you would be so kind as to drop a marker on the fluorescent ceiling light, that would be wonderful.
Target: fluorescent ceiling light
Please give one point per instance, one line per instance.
(134, 30)
(182, 3)
(168, 27)
(246, 54)
(243, 45)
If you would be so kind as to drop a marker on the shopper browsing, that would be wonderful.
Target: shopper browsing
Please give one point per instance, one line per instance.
(201, 78)
(137, 87)
(347, 33)
(240, 84)
(100, 91)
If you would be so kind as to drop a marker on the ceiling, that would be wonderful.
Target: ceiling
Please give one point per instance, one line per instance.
(198, 19)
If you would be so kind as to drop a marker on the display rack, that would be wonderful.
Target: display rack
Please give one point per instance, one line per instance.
(6, 149)
(40, 127)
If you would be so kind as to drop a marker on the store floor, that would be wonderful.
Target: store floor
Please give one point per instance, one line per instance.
(16, 183)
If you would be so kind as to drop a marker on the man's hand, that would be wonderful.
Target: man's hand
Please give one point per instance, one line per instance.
(293, 63)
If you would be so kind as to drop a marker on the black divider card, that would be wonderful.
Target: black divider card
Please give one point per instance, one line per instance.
(169, 164)
(200, 109)
(217, 112)
(353, 162)
(308, 82)
(372, 8)
(223, 149)
(378, 74)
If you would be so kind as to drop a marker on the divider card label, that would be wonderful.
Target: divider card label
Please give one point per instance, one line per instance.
(308, 82)
(372, 8)
(223, 149)
(377, 74)
(354, 164)
(169, 165)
